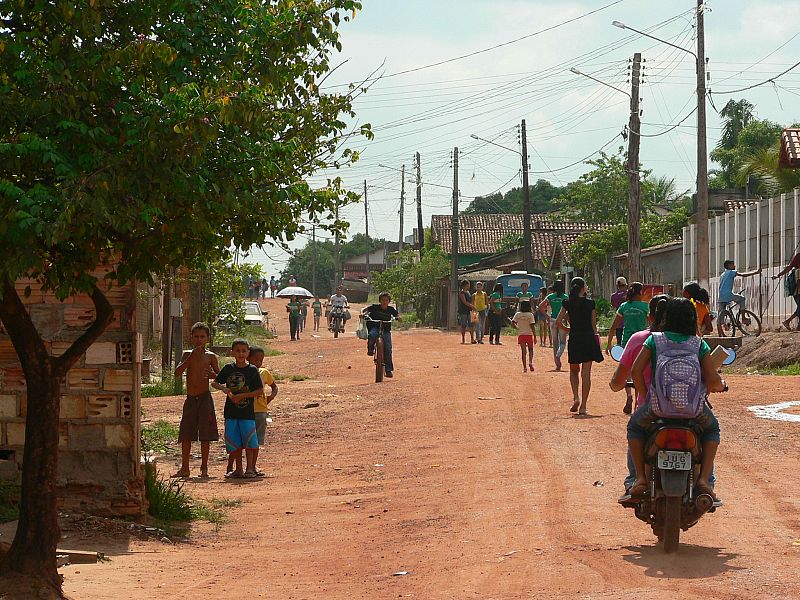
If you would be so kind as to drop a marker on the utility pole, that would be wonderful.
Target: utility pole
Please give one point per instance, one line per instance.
(314, 260)
(451, 315)
(402, 205)
(634, 189)
(702, 153)
(336, 252)
(366, 225)
(420, 230)
(527, 259)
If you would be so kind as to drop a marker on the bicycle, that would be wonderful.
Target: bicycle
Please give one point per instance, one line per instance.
(378, 350)
(730, 321)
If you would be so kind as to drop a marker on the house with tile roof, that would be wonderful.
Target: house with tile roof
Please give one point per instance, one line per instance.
(480, 237)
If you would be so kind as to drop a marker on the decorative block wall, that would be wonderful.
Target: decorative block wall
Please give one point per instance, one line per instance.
(99, 469)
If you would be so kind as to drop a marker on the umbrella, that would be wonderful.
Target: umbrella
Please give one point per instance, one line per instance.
(295, 290)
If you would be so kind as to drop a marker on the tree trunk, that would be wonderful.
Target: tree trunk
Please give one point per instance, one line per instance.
(33, 551)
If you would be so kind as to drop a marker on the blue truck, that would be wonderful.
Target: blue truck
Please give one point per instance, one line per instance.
(512, 283)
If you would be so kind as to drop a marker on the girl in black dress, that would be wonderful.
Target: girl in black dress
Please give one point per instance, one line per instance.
(583, 346)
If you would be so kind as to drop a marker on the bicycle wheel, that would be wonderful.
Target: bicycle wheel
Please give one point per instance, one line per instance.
(727, 324)
(753, 327)
(379, 359)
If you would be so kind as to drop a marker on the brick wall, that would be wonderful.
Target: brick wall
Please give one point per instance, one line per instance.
(99, 468)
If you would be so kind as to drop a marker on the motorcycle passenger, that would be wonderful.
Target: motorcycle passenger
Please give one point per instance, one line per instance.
(338, 300)
(680, 326)
(381, 312)
(655, 318)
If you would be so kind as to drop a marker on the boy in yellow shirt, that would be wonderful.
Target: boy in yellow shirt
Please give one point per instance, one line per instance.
(256, 358)
(481, 306)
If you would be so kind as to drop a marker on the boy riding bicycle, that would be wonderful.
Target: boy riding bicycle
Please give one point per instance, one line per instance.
(726, 295)
(381, 312)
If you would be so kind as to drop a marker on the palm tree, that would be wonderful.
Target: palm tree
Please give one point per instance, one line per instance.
(737, 114)
(766, 179)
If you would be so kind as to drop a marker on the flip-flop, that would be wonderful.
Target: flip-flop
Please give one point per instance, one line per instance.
(582, 412)
(250, 475)
(203, 475)
(234, 475)
(704, 489)
(180, 475)
(575, 406)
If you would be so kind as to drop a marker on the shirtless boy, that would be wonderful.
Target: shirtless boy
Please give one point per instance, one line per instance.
(199, 421)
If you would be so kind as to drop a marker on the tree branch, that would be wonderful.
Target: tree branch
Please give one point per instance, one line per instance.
(104, 313)
(23, 333)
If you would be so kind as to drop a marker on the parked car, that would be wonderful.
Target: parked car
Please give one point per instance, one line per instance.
(253, 315)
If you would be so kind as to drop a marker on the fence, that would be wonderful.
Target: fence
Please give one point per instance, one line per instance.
(763, 234)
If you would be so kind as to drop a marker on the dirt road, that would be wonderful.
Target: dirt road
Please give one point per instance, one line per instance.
(472, 478)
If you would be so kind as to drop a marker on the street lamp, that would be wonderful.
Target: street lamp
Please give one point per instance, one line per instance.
(600, 81)
(702, 270)
(527, 258)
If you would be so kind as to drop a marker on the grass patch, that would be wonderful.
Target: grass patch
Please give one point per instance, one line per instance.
(9, 499)
(168, 385)
(793, 369)
(169, 503)
(284, 377)
(257, 336)
(157, 437)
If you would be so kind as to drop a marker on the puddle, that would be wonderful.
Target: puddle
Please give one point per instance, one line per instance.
(775, 411)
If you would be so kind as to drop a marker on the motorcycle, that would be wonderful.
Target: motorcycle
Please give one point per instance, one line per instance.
(673, 455)
(337, 320)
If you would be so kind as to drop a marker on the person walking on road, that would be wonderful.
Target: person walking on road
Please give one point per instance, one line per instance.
(273, 286)
(584, 341)
(617, 298)
(791, 287)
(294, 308)
(465, 308)
(558, 335)
(543, 317)
(479, 299)
(496, 314)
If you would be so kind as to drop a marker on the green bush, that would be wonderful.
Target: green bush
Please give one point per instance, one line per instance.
(166, 497)
(168, 385)
(156, 437)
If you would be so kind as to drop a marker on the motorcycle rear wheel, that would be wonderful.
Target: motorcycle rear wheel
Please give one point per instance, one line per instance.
(672, 524)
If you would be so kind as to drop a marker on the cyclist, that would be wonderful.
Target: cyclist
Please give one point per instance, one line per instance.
(726, 295)
(381, 312)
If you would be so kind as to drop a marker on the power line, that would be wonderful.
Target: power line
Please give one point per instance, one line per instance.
(770, 80)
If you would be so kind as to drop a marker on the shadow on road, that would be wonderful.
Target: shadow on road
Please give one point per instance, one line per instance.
(690, 562)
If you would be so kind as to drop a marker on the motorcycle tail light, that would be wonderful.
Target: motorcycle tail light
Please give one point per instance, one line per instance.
(676, 439)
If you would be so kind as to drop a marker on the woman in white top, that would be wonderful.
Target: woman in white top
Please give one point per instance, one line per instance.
(524, 320)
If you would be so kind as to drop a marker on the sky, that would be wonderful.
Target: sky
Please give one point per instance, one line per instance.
(569, 118)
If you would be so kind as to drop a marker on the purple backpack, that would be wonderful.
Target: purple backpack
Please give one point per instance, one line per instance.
(677, 390)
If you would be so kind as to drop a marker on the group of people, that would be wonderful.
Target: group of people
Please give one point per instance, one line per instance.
(259, 288)
(244, 383)
(297, 309)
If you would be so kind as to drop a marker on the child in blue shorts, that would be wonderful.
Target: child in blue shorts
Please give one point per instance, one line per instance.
(241, 383)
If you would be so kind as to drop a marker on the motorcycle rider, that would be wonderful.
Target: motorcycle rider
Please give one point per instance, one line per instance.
(338, 300)
(680, 325)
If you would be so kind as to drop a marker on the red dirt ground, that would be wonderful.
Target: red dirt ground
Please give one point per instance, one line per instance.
(471, 477)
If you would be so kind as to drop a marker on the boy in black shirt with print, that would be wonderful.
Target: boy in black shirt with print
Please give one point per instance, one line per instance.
(381, 312)
(241, 383)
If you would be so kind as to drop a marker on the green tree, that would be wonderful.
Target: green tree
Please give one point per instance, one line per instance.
(757, 136)
(509, 242)
(601, 195)
(737, 114)
(542, 196)
(360, 244)
(301, 265)
(145, 136)
(415, 282)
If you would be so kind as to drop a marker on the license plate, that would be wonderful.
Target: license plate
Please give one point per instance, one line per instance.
(674, 461)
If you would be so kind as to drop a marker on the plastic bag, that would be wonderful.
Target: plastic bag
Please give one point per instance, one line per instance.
(473, 316)
(361, 331)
